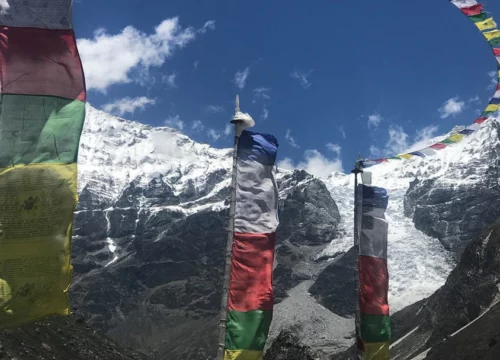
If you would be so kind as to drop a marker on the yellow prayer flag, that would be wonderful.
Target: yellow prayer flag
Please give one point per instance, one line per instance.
(405, 156)
(376, 351)
(492, 107)
(243, 355)
(37, 203)
(491, 34)
(456, 137)
(486, 24)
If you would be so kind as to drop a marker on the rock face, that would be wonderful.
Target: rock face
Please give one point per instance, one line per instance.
(335, 286)
(471, 289)
(61, 338)
(456, 211)
(287, 347)
(150, 236)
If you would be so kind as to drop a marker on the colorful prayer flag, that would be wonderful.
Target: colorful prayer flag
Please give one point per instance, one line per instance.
(487, 24)
(250, 301)
(375, 325)
(42, 113)
(471, 10)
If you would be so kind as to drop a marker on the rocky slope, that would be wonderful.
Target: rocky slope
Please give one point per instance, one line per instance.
(471, 289)
(61, 338)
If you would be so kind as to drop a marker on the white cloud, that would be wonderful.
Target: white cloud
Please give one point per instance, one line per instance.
(213, 134)
(451, 107)
(170, 80)
(302, 78)
(375, 151)
(314, 163)
(214, 109)
(262, 93)
(374, 120)
(474, 100)
(128, 105)
(342, 131)
(197, 125)
(290, 139)
(265, 114)
(398, 140)
(240, 78)
(228, 129)
(196, 64)
(335, 148)
(175, 122)
(426, 133)
(493, 75)
(209, 25)
(127, 56)
(286, 164)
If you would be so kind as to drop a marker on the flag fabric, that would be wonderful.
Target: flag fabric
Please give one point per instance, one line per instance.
(489, 28)
(250, 301)
(486, 24)
(42, 112)
(375, 325)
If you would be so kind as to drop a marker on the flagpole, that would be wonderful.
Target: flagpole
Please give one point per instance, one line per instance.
(230, 238)
(357, 170)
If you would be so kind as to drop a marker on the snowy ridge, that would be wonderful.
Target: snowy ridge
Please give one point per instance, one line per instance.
(115, 152)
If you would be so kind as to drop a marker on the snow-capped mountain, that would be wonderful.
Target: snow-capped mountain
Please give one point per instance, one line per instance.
(149, 233)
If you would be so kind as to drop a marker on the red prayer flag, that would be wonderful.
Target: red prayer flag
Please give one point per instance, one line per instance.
(251, 286)
(496, 51)
(472, 10)
(438, 146)
(480, 120)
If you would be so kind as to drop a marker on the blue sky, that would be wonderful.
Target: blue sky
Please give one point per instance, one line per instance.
(328, 79)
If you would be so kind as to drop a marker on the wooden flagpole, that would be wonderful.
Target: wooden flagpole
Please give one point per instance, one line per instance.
(357, 170)
(230, 238)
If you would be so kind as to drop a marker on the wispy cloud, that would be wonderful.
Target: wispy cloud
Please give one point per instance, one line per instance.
(314, 163)
(291, 139)
(196, 64)
(398, 140)
(240, 78)
(265, 114)
(128, 105)
(493, 75)
(426, 133)
(451, 107)
(375, 151)
(334, 148)
(175, 122)
(209, 25)
(197, 125)
(228, 129)
(374, 120)
(342, 131)
(302, 78)
(213, 134)
(262, 93)
(214, 109)
(138, 52)
(170, 80)
(474, 100)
